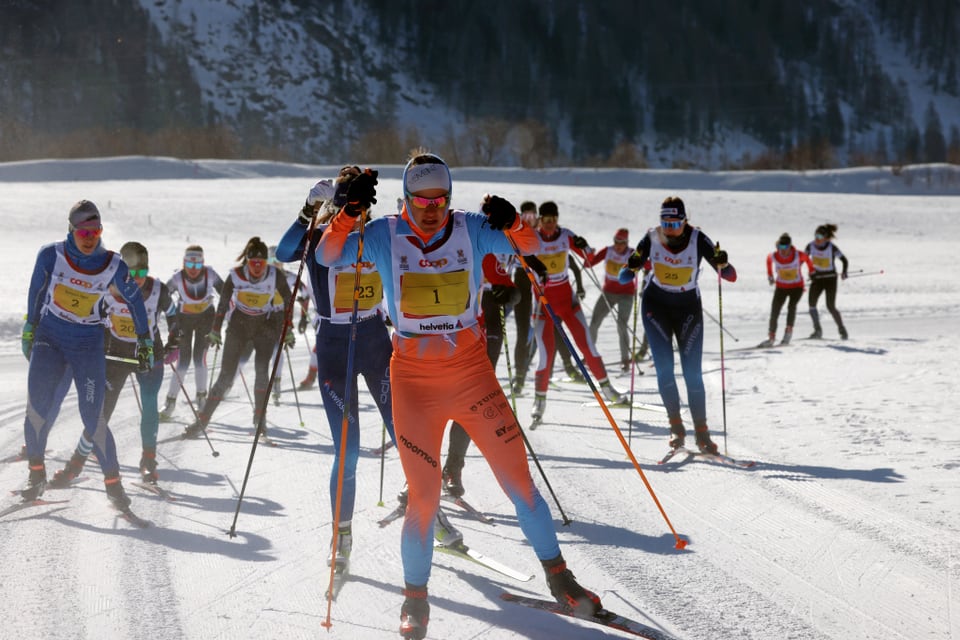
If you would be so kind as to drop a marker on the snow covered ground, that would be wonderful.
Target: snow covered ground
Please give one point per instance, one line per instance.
(847, 527)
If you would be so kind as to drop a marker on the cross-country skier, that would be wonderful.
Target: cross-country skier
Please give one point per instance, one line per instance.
(671, 307)
(121, 342)
(195, 286)
(249, 291)
(334, 294)
(556, 243)
(429, 257)
(63, 329)
(824, 255)
(783, 272)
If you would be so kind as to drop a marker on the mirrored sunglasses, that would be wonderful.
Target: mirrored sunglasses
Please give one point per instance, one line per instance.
(138, 273)
(783, 247)
(256, 262)
(671, 224)
(89, 233)
(193, 265)
(820, 236)
(423, 203)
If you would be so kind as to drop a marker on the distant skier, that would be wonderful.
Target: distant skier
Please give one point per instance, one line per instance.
(615, 295)
(195, 287)
(249, 291)
(824, 255)
(556, 243)
(783, 270)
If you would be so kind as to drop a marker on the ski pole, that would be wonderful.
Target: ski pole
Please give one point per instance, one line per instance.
(287, 315)
(243, 379)
(523, 434)
(722, 328)
(383, 460)
(860, 273)
(293, 383)
(136, 394)
(633, 370)
(196, 414)
(347, 400)
(723, 370)
(213, 367)
(680, 543)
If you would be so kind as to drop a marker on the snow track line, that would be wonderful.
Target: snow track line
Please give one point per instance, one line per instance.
(880, 580)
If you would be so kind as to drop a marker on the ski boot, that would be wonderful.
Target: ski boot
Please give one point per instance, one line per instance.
(574, 374)
(71, 471)
(307, 382)
(167, 412)
(678, 434)
(415, 613)
(565, 589)
(201, 399)
(452, 482)
(276, 392)
(36, 481)
(817, 333)
(445, 533)
(539, 405)
(404, 495)
(194, 430)
(344, 546)
(787, 336)
(612, 395)
(116, 494)
(843, 332)
(704, 443)
(148, 466)
(766, 344)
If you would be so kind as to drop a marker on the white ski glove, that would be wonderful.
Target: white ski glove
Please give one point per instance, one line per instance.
(320, 192)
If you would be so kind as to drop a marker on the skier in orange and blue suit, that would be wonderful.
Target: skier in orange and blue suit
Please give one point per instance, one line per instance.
(429, 257)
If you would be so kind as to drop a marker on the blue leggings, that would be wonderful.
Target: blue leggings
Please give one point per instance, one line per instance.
(372, 351)
(54, 354)
(685, 322)
(150, 383)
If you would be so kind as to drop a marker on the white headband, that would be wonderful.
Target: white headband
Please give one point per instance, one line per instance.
(426, 176)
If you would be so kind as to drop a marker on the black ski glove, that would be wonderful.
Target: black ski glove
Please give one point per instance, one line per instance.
(538, 267)
(504, 295)
(500, 213)
(361, 193)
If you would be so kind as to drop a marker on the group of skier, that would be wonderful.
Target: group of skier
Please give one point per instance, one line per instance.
(444, 279)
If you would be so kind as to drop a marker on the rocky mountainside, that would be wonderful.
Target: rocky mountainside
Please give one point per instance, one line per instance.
(696, 83)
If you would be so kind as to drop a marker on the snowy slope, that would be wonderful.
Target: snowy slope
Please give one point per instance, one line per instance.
(846, 528)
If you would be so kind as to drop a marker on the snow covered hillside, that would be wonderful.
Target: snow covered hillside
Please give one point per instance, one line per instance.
(846, 528)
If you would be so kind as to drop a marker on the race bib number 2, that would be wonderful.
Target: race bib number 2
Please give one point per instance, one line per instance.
(79, 303)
